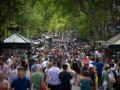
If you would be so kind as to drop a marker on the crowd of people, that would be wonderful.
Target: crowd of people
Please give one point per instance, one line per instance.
(59, 69)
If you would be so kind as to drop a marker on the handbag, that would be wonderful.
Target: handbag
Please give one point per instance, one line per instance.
(42, 86)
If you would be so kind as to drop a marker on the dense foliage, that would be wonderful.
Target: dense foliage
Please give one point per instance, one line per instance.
(36, 16)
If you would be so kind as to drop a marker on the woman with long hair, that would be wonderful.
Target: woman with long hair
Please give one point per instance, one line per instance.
(85, 81)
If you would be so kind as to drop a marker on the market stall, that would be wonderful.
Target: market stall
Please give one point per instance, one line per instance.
(14, 44)
(112, 47)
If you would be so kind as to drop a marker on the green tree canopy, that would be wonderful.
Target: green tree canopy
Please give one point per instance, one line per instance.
(86, 16)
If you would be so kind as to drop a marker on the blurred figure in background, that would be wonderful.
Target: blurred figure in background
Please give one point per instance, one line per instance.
(10, 61)
(104, 76)
(111, 77)
(12, 73)
(92, 75)
(4, 67)
(35, 65)
(99, 66)
(118, 76)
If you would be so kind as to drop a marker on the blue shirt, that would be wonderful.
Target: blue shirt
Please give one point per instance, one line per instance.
(21, 84)
(99, 66)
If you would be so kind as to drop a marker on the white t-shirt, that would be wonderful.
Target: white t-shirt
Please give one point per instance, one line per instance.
(10, 62)
(117, 72)
(44, 64)
(53, 74)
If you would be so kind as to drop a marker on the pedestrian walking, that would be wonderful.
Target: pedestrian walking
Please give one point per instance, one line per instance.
(111, 77)
(37, 79)
(36, 65)
(12, 73)
(4, 84)
(53, 77)
(99, 65)
(21, 82)
(104, 76)
(65, 78)
(4, 67)
(92, 76)
(85, 81)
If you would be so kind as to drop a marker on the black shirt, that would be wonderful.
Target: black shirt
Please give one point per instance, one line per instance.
(65, 77)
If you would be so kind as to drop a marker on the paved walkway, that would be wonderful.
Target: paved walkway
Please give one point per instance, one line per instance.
(75, 88)
(78, 88)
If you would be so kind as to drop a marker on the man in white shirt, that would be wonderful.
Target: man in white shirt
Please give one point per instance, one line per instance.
(10, 61)
(44, 64)
(53, 77)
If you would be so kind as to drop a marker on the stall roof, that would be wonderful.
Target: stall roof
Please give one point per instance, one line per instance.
(114, 40)
(118, 42)
(16, 38)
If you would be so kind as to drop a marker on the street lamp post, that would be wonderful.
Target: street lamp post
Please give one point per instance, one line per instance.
(94, 39)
